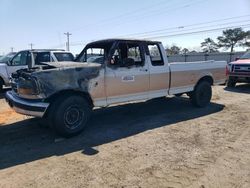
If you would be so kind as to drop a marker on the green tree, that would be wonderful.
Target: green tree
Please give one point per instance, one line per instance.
(173, 50)
(184, 51)
(232, 38)
(209, 46)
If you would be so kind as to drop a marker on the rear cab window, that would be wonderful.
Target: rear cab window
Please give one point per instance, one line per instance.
(155, 54)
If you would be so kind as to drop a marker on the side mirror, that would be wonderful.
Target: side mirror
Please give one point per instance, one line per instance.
(9, 63)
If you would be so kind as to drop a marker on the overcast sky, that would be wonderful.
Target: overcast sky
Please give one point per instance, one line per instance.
(43, 22)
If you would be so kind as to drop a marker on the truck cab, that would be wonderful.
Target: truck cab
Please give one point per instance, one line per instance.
(133, 70)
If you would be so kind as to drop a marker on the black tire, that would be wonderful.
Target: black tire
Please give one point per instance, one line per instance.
(202, 94)
(231, 83)
(69, 115)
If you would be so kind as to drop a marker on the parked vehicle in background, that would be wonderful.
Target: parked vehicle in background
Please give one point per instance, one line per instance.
(239, 70)
(64, 94)
(6, 58)
(96, 59)
(28, 59)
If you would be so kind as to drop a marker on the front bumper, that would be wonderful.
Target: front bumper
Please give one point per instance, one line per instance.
(27, 107)
(246, 75)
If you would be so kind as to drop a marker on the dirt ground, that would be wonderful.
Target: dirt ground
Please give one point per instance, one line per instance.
(159, 143)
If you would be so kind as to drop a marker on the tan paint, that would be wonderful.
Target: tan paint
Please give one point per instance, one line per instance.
(159, 81)
(116, 83)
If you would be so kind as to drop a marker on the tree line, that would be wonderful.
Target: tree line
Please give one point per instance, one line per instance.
(229, 39)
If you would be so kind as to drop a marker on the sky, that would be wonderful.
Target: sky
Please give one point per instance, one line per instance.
(44, 22)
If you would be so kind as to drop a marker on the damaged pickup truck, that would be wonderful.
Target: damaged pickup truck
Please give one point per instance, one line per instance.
(64, 93)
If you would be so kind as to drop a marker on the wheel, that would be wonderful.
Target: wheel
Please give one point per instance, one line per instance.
(231, 83)
(202, 94)
(69, 115)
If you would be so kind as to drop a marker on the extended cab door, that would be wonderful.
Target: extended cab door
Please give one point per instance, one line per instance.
(127, 75)
(19, 61)
(159, 70)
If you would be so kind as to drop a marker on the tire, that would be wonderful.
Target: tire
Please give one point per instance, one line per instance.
(69, 115)
(231, 83)
(202, 94)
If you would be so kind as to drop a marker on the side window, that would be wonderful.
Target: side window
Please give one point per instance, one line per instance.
(20, 59)
(127, 55)
(134, 52)
(155, 55)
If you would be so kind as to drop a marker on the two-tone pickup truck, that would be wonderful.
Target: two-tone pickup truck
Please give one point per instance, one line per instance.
(64, 94)
(29, 58)
(239, 71)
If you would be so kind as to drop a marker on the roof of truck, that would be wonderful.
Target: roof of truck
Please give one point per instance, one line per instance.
(45, 50)
(124, 40)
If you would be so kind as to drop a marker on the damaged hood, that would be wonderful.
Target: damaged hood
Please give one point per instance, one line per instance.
(59, 76)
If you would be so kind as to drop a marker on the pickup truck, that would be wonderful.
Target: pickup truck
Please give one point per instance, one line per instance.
(64, 94)
(29, 58)
(239, 71)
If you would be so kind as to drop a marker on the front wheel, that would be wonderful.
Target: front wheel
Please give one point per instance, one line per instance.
(70, 116)
(202, 94)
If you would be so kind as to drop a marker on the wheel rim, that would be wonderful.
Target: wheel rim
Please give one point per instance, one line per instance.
(73, 117)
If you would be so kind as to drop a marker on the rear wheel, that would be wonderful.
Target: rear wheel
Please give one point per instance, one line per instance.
(202, 94)
(70, 115)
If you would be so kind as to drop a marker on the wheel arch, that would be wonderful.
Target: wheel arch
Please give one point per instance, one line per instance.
(207, 78)
(65, 93)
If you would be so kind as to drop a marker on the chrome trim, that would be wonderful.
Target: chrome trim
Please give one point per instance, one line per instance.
(28, 112)
(16, 103)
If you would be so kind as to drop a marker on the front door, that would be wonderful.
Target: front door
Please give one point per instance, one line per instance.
(19, 61)
(127, 74)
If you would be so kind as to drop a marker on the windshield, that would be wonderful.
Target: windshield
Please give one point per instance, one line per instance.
(7, 57)
(95, 53)
(64, 56)
(246, 56)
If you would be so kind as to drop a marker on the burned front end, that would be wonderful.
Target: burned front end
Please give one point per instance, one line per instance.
(31, 88)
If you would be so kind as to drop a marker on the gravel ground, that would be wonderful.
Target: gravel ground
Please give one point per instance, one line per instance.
(158, 143)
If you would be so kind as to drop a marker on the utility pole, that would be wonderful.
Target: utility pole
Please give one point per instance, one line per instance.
(67, 43)
(12, 49)
(31, 45)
